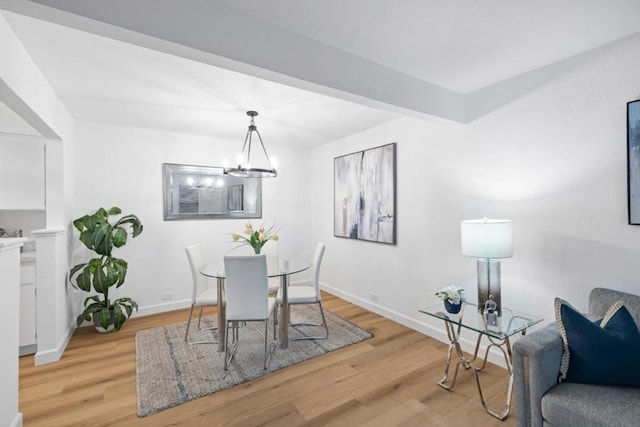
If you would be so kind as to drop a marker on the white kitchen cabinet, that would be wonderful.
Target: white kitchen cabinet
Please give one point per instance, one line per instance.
(27, 305)
(22, 173)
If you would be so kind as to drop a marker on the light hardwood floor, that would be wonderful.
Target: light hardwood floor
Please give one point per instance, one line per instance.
(388, 380)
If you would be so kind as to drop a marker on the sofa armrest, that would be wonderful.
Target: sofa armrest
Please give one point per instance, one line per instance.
(536, 364)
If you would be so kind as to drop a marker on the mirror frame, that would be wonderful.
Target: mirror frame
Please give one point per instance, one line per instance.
(168, 191)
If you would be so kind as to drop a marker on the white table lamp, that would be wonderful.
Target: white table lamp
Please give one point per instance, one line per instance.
(488, 240)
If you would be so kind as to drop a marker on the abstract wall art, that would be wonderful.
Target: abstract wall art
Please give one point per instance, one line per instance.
(633, 161)
(365, 195)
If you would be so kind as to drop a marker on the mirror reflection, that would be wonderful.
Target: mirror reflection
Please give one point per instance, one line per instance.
(203, 192)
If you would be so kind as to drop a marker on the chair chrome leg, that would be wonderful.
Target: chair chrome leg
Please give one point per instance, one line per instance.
(275, 325)
(200, 316)
(186, 335)
(267, 359)
(200, 328)
(266, 334)
(228, 357)
(324, 320)
(324, 323)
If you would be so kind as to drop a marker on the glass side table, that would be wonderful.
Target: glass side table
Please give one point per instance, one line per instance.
(510, 323)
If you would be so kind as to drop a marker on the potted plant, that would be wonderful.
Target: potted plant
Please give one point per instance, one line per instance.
(256, 238)
(105, 271)
(453, 297)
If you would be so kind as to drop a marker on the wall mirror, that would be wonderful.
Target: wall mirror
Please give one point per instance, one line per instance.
(204, 192)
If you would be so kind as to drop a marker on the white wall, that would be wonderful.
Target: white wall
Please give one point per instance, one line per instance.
(553, 161)
(9, 314)
(121, 166)
(24, 89)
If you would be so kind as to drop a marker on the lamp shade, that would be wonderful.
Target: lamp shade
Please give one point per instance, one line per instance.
(486, 238)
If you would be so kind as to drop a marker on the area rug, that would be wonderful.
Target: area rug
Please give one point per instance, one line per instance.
(170, 372)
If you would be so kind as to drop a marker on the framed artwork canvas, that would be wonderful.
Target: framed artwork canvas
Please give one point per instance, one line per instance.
(633, 161)
(365, 195)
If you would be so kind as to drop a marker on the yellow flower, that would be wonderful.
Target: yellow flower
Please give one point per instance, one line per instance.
(256, 238)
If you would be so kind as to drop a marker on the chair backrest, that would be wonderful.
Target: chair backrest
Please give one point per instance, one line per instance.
(271, 250)
(315, 266)
(246, 286)
(195, 255)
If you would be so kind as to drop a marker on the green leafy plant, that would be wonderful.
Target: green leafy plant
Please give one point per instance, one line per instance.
(104, 271)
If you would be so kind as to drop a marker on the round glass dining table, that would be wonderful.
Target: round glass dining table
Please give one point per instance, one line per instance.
(283, 269)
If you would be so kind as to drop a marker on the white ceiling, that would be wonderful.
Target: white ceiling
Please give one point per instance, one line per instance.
(462, 45)
(459, 45)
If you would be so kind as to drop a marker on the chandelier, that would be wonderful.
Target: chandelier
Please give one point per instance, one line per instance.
(244, 168)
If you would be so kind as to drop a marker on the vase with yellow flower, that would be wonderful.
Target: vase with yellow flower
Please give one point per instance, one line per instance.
(256, 238)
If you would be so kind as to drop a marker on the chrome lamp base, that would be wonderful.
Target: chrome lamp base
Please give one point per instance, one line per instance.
(489, 283)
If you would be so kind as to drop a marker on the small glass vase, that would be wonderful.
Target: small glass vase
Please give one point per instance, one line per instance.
(256, 250)
(452, 308)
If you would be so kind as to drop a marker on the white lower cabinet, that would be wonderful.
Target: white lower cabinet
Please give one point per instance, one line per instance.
(27, 308)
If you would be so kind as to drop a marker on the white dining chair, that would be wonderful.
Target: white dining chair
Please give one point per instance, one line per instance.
(308, 293)
(271, 250)
(202, 294)
(247, 300)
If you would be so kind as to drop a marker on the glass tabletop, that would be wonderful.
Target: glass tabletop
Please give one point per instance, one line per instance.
(510, 323)
(283, 266)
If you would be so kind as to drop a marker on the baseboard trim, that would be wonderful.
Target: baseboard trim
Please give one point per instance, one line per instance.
(28, 349)
(161, 308)
(17, 420)
(43, 357)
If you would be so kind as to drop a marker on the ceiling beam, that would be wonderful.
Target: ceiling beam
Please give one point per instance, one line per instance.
(212, 33)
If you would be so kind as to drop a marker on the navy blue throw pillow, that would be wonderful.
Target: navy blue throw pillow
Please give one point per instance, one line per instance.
(604, 352)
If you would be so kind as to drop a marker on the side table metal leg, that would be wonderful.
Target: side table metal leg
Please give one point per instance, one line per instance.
(468, 364)
(507, 357)
(453, 335)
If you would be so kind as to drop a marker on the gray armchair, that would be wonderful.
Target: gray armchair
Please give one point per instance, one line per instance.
(541, 401)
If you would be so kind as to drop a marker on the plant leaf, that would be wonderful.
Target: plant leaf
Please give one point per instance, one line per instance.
(119, 237)
(121, 267)
(86, 237)
(111, 272)
(133, 221)
(89, 310)
(79, 223)
(75, 269)
(118, 317)
(104, 318)
(103, 243)
(100, 281)
(84, 279)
